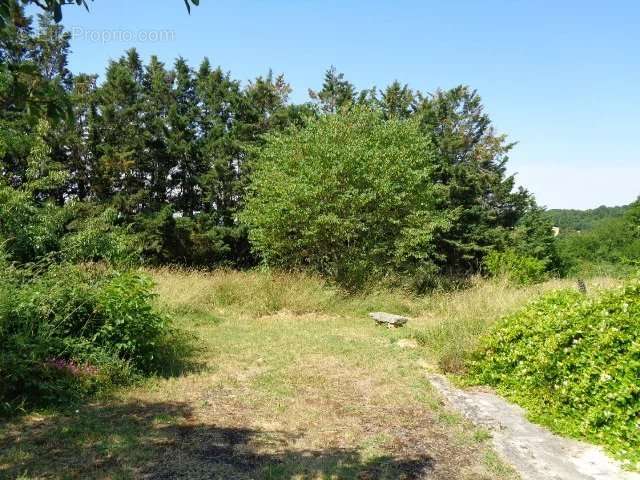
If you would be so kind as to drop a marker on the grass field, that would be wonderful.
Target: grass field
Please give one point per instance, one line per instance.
(291, 380)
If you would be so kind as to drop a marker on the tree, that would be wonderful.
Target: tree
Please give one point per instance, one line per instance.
(54, 7)
(610, 245)
(183, 142)
(158, 102)
(51, 47)
(336, 92)
(27, 93)
(633, 216)
(221, 146)
(79, 141)
(397, 101)
(472, 166)
(31, 224)
(121, 174)
(172, 150)
(533, 237)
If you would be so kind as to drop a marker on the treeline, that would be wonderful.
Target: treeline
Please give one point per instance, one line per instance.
(168, 148)
(580, 220)
(600, 241)
(162, 156)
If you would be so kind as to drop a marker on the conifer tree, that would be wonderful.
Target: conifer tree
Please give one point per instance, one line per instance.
(158, 101)
(79, 141)
(336, 92)
(472, 171)
(121, 148)
(397, 101)
(183, 142)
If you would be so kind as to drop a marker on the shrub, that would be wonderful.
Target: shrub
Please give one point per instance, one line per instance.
(29, 231)
(99, 238)
(129, 326)
(520, 269)
(351, 196)
(196, 241)
(574, 363)
(70, 331)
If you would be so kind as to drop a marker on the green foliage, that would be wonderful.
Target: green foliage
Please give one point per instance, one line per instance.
(356, 196)
(54, 7)
(99, 238)
(172, 150)
(130, 328)
(349, 196)
(612, 245)
(568, 220)
(531, 252)
(26, 230)
(69, 331)
(336, 92)
(27, 92)
(31, 224)
(517, 268)
(533, 237)
(34, 225)
(472, 161)
(574, 363)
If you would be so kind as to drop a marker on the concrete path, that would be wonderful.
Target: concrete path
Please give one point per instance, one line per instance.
(534, 452)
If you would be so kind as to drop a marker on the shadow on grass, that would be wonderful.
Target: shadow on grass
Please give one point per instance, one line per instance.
(162, 441)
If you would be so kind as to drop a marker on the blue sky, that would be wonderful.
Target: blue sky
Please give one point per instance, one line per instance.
(561, 78)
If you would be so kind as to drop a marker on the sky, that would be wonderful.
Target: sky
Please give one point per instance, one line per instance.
(561, 78)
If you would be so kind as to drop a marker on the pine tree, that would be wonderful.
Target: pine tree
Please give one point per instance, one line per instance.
(27, 94)
(158, 102)
(50, 51)
(472, 171)
(78, 142)
(121, 161)
(336, 92)
(182, 142)
(397, 101)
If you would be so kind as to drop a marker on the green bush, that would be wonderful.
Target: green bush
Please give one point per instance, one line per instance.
(79, 232)
(520, 269)
(129, 326)
(99, 238)
(70, 331)
(27, 230)
(351, 196)
(574, 363)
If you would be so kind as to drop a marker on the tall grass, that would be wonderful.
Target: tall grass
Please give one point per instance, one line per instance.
(259, 293)
(453, 322)
(254, 293)
(446, 324)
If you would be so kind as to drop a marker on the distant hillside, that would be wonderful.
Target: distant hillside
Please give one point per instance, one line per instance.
(569, 220)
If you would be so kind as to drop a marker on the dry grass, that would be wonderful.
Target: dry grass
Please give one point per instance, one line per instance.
(297, 384)
(447, 324)
(450, 324)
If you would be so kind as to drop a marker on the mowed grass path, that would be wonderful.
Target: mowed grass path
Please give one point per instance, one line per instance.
(292, 381)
